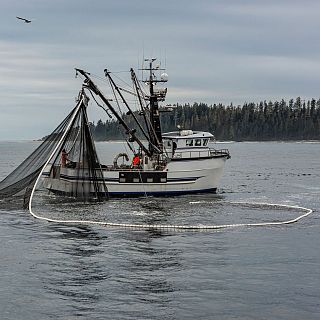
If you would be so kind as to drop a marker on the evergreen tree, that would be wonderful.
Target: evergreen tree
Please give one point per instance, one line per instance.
(273, 120)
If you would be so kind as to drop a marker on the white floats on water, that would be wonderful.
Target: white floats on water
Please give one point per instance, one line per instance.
(305, 212)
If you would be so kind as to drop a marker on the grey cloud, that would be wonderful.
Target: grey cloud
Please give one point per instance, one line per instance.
(216, 51)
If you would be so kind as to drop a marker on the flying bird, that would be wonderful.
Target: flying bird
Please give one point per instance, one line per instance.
(23, 19)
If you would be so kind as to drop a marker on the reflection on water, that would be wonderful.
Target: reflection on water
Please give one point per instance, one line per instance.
(92, 269)
(86, 265)
(77, 268)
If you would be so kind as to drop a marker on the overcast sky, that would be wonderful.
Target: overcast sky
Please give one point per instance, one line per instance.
(215, 51)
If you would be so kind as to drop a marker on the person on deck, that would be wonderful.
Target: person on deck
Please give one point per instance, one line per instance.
(136, 161)
(174, 147)
(64, 158)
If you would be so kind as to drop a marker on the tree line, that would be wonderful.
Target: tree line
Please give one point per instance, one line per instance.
(264, 121)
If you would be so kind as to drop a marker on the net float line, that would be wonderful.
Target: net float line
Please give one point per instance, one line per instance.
(305, 212)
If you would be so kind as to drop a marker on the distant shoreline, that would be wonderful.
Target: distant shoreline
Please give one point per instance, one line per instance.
(216, 141)
(232, 141)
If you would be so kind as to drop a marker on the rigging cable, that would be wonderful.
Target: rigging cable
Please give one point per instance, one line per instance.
(99, 105)
(120, 112)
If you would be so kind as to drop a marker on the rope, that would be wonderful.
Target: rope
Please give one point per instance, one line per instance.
(306, 213)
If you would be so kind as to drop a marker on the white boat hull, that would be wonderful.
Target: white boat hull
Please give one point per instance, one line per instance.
(179, 177)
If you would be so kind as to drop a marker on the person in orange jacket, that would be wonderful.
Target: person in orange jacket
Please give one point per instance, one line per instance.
(136, 161)
(64, 158)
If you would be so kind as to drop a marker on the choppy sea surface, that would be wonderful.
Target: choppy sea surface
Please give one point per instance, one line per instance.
(61, 271)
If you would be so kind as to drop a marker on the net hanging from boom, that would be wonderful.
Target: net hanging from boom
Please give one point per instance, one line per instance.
(69, 151)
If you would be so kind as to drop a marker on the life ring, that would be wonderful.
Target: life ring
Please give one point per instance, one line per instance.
(120, 155)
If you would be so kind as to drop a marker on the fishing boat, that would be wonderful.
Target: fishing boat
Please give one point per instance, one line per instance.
(172, 163)
(164, 164)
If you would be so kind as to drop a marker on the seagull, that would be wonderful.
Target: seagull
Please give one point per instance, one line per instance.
(23, 19)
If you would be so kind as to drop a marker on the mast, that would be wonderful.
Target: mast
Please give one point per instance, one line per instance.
(154, 97)
(144, 111)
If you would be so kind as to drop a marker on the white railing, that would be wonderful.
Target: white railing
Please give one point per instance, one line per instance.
(208, 153)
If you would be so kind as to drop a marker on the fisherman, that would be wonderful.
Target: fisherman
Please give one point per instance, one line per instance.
(64, 158)
(136, 161)
(174, 147)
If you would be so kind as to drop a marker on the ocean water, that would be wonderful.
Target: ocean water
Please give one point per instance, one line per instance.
(61, 271)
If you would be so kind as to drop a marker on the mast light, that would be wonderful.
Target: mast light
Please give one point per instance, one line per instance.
(164, 77)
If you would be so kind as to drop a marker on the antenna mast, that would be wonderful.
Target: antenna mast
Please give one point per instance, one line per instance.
(155, 95)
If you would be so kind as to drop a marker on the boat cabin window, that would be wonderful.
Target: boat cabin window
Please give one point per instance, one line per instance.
(189, 142)
(198, 142)
(205, 142)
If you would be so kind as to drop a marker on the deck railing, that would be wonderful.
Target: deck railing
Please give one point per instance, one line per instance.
(208, 153)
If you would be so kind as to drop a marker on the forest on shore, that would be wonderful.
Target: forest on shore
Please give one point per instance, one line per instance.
(264, 121)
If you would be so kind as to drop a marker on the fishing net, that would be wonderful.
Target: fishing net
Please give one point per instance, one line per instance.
(66, 163)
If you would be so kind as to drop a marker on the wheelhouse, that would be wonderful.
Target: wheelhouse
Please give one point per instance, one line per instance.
(188, 144)
(187, 138)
